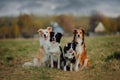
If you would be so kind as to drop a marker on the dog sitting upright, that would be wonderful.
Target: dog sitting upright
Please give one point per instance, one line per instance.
(69, 55)
(55, 50)
(81, 57)
(43, 52)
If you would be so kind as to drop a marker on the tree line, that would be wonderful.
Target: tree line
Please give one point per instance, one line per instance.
(26, 25)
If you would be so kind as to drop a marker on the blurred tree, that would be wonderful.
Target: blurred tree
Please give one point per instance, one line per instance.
(118, 23)
(81, 21)
(15, 31)
(94, 20)
(113, 25)
(4, 32)
(26, 25)
(66, 22)
(106, 22)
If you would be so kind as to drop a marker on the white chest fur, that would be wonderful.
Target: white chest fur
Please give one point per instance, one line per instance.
(55, 48)
(79, 49)
(46, 44)
(42, 41)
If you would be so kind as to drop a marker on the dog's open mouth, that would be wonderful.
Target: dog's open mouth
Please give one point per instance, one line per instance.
(70, 51)
(46, 37)
(54, 42)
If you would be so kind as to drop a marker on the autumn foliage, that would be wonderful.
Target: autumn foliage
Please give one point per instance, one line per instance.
(27, 25)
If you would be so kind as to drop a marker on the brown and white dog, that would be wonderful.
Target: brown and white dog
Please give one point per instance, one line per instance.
(81, 55)
(43, 52)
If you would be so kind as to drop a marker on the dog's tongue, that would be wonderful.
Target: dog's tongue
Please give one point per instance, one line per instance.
(46, 37)
(70, 51)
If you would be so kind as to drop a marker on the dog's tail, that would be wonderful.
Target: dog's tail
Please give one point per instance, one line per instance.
(35, 63)
(27, 64)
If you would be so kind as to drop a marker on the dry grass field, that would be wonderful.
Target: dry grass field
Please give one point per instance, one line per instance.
(104, 54)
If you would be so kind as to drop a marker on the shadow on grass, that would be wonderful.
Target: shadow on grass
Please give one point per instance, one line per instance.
(9, 58)
(115, 55)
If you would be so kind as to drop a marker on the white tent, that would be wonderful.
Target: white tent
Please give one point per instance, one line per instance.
(99, 28)
(57, 27)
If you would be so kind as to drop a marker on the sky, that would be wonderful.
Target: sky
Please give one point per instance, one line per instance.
(56, 7)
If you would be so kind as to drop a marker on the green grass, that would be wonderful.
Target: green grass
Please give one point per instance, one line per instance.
(104, 54)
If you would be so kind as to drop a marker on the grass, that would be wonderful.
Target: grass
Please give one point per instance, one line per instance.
(104, 54)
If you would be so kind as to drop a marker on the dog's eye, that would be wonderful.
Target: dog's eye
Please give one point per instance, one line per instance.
(73, 54)
(46, 32)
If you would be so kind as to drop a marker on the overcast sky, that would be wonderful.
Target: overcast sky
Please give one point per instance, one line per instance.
(51, 7)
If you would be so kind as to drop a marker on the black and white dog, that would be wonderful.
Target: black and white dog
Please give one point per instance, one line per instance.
(69, 55)
(55, 49)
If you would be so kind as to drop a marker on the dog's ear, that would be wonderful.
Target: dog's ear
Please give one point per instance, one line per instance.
(59, 34)
(65, 50)
(74, 34)
(75, 31)
(66, 45)
(83, 31)
(40, 32)
(58, 37)
(74, 45)
(51, 35)
(49, 29)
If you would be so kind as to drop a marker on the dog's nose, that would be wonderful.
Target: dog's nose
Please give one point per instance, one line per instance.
(53, 39)
(78, 35)
(44, 35)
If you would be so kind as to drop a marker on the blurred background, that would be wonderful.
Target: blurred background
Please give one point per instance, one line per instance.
(22, 18)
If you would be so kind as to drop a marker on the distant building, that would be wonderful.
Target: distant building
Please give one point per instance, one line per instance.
(57, 27)
(99, 28)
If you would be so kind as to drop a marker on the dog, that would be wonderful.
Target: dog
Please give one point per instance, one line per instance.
(43, 53)
(45, 37)
(42, 56)
(55, 50)
(69, 55)
(81, 56)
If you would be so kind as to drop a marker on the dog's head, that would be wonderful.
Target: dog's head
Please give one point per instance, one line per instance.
(78, 35)
(69, 50)
(55, 37)
(45, 33)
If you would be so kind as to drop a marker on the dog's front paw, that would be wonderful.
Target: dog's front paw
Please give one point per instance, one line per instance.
(76, 69)
(70, 69)
(51, 66)
(58, 67)
(64, 68)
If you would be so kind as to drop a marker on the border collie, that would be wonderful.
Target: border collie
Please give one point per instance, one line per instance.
(55, 50)
(69, 55)
(42, 55)
(81, 58)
